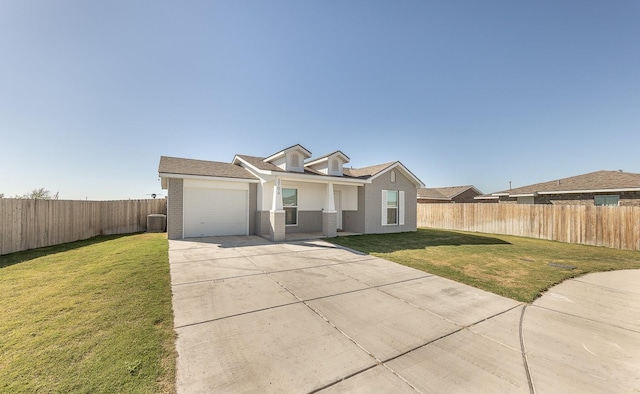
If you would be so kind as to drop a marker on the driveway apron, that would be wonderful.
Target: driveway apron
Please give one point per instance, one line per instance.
(308, 316)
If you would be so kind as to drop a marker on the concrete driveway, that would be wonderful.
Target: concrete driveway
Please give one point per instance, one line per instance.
(307, 316)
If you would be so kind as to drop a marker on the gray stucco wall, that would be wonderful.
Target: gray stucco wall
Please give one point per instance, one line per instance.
(373, 203)
(308, 222)
(175, 194)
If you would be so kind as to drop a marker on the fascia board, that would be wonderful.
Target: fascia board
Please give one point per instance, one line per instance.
(207, 178)
(523, 195)
(486, 197)
(434, 198)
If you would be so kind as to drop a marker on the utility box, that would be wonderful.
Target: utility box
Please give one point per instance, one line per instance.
(156, 223)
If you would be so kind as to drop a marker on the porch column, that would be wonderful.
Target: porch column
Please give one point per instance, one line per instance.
(276, 214)
(329, 214)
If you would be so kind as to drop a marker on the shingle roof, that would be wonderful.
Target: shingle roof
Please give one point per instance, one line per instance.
(259, 163)
(440, 193)
(176, 165)
(431, 193)
(367, 172)
(599, 180)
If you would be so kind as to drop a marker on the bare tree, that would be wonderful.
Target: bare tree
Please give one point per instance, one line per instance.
(39, 194)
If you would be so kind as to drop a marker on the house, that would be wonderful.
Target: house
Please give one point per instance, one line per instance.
(286, 192)
(452, 194)
(615, 188)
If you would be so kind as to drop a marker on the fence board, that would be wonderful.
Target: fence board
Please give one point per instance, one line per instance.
(27, 224)
(613, 227)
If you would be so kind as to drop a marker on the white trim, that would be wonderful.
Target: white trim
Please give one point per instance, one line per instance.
(523, 195)
(208, 178)
(384, 209)
(401, 207)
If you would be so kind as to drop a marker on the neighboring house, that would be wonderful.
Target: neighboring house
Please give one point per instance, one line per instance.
(286, 192)
(596, 188)
(453, 194)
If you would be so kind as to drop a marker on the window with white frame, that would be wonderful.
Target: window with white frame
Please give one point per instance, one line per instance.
(611, 200)
(290, 205)
(392, 207)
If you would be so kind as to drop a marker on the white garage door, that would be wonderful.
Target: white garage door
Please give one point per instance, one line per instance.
(213, 212)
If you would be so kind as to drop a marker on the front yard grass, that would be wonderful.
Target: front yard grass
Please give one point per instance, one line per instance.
(90, 316)
(514, 267)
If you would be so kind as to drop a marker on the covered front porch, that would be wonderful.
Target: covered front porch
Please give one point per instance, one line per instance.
(300, 208)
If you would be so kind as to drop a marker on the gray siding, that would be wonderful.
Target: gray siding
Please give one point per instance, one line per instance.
(373, 203)
(262, 223)
(253, 206)
(175, 194)
(353, 221)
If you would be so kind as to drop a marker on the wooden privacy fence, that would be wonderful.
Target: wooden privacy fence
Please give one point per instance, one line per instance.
(27, 224)
(613, 227)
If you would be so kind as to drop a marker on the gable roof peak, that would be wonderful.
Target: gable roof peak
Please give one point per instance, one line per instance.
(305, 152)
(344, 157)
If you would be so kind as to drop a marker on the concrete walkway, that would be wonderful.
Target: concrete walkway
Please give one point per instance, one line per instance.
(307, 316)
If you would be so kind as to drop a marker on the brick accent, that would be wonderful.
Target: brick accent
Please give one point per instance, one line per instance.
(277, 228)
(329, 223)
(175, 198)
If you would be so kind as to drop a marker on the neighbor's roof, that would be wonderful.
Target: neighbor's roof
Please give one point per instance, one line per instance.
(591, 182)
(179, 166)
(444, 193)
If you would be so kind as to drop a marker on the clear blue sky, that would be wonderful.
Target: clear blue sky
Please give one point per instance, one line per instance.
(92, 93)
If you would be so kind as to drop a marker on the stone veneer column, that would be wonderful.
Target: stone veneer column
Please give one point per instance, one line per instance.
(276, 214)
(276, 226)
(329, 223)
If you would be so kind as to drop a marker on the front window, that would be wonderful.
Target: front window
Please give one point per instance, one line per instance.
(392, 207)
(607, 200)
(290, 204)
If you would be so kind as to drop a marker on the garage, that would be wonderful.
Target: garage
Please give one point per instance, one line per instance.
(215, 211)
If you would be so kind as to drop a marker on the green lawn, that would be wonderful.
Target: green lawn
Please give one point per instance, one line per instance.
(89, 316)
(513, 267)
